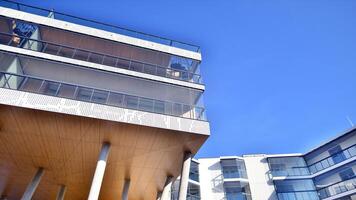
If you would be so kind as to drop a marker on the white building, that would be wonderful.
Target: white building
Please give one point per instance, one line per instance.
(90, 110)
(326, 172)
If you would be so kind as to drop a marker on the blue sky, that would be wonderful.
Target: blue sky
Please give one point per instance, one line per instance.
(280, 75)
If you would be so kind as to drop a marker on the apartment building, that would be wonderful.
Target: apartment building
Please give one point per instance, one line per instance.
(326, 172)
(94, 111)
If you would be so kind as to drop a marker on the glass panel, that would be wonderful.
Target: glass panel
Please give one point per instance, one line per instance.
(67, 91)
(115, 99)
(84, 94)
(99, 96)
(32, 85)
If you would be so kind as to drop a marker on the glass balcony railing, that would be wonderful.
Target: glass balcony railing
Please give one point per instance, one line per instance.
(237, 196)
(338, 188)
(300, 195)
(193, 197)
(98, 25)
(294, 171)
(70, 91)
(104, 59)
(325, 163)
(333, 159)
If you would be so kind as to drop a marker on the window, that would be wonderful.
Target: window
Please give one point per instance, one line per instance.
(347, 174)
(336, 154)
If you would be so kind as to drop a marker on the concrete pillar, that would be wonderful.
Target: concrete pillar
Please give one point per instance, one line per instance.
(166, 193)
(125, 190)
(61, 192)
(99, 172)
(183, 185)
(31, 188)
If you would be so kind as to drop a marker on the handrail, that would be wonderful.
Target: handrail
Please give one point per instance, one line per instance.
(191, 77)
(337, 188)
(104, 97)
(109, 27)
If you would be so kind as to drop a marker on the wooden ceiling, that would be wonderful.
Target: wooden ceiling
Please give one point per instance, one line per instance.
(68, 147)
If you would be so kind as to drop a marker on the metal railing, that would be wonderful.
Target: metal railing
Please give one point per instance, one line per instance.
(303, 195)
(333, 159)
(97, 25)
(98, 96)
(337, 188)
(99, 58)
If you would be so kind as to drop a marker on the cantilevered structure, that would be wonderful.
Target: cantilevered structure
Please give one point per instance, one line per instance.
(94, 111)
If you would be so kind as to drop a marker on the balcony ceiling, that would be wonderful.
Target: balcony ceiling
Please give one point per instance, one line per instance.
(68, 147)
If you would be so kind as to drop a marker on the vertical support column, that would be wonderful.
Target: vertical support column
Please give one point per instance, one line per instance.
(61, 192)
(183, 185)
(166, 194)
(31, 188)
(99, 172)
(125, 191)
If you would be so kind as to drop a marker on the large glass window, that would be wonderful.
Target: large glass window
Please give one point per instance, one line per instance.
(194, 171)
(288, 166)
(335, 155)
(296, 190)
(235, 191)
(233, 168)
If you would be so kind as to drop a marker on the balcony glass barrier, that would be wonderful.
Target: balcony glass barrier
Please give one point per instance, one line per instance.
(104, 59)
(303, 195)
(237, 196)
(337, 188)
(98, 96)
(98, 25)
(333, 159)
(294, 171)
(193, 197)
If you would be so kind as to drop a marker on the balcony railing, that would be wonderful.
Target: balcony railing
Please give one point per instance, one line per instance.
(98, 25)
(293, 171)
(337, 188)
(333, 159)
(98, 96)
(237, 196)
(325, 163)
(298, 195)
(193, 197)
(104, 59)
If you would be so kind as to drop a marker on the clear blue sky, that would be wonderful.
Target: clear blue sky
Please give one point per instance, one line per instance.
(280, 75)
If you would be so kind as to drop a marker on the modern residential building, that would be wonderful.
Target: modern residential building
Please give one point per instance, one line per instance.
(326, 173)
(94, 111)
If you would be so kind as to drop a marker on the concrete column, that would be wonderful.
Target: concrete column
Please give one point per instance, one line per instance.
(99, 172)
(31, 188)
(166, 193)
(61, 192)
(125, 190)
(184, 177)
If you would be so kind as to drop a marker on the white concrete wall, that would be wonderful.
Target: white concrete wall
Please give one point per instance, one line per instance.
(211, 179)
(261, 185)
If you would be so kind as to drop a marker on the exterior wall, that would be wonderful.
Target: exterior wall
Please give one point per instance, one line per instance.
(211, 179)
(261, 185)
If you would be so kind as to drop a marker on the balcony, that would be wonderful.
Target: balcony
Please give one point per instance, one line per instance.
(294, 171)
(93, 95)
(233, 169)
(337, 188)
(98, 25)
(300, 195)
(174, 71)
(332, 160)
